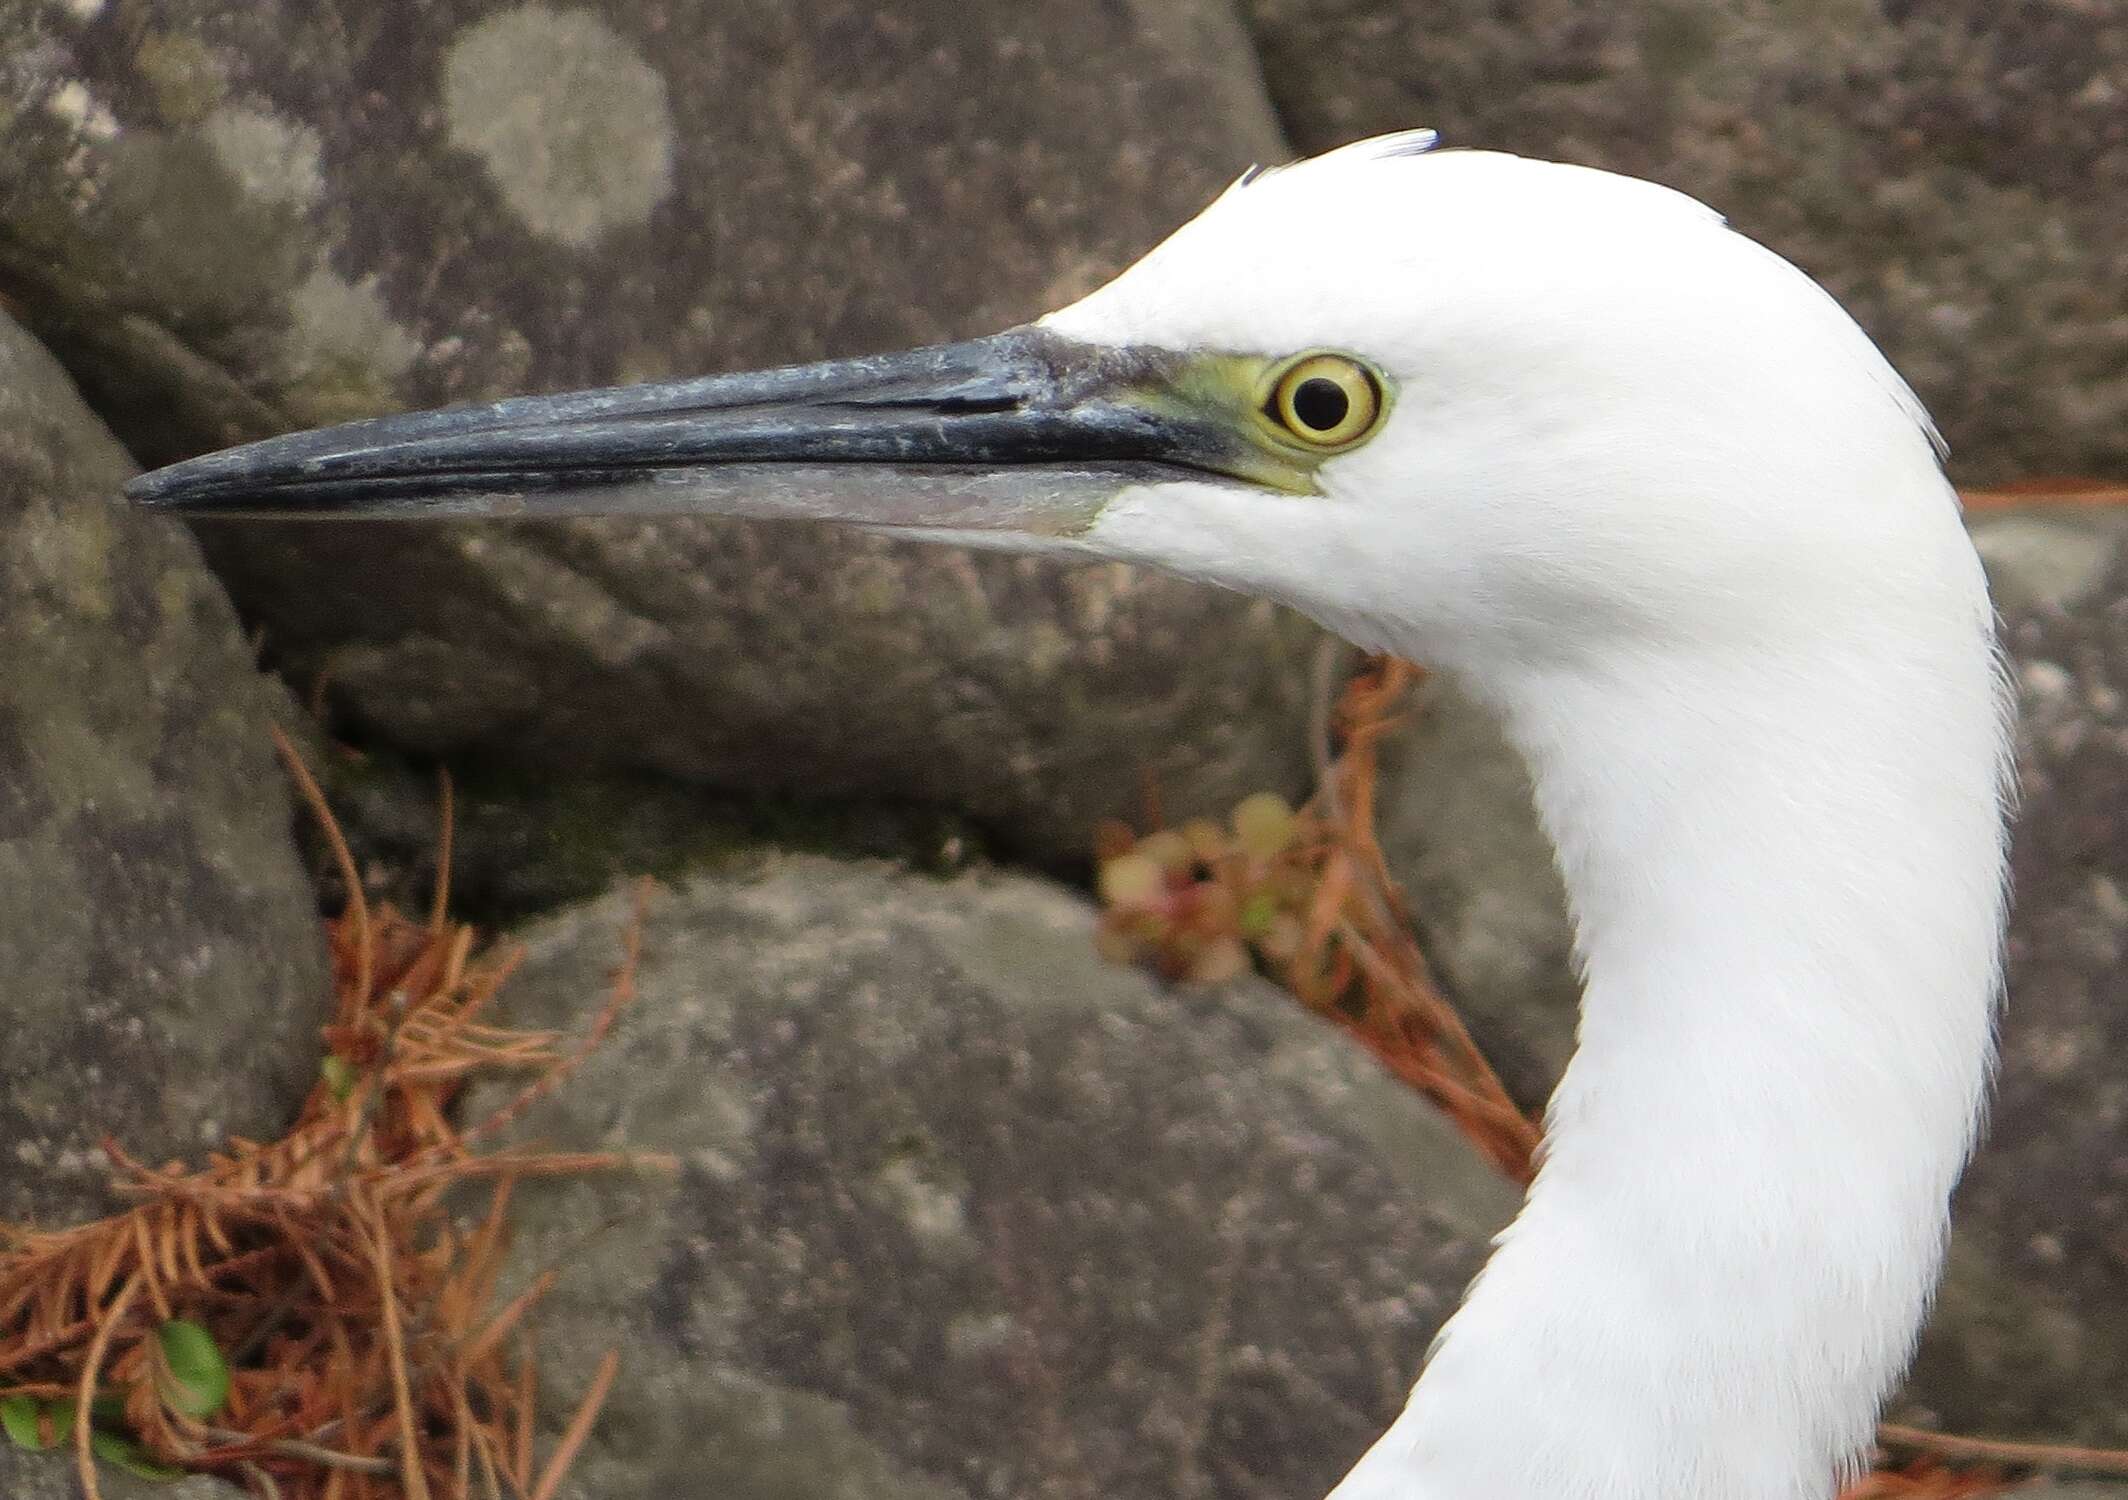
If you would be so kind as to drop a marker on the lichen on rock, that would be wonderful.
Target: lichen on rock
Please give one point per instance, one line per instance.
(569, 120)
(165, 974)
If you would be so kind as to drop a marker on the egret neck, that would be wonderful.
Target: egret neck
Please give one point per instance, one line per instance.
(1783, 862)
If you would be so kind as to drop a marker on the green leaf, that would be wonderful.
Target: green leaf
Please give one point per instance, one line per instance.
(199, 1376)
(338, 1073)
(62, 1414)
(124, 1453)
(18, 1414)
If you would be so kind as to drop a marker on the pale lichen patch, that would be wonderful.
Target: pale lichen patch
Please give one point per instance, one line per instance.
(273, 160)
(74, 106)
(343, 323)
(935, 1213)
(569, 120)
(183, 74)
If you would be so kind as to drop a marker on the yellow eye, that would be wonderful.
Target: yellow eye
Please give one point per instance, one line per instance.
(1326, 401)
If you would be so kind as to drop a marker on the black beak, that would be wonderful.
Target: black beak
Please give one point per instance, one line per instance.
(1024, 431)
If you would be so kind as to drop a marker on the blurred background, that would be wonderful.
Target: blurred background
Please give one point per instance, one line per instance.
(965, 1211)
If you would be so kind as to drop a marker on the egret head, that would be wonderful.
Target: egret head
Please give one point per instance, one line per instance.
(1460, 404)
(1601, 411)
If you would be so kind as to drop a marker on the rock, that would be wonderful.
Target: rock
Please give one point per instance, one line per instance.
(2028, 1335)
(2025, 1339)
(968, 1212)
(525, 844)
(233, 218)
(1457, 826)
(164, 969)
(1951, 171)
(45, 1476)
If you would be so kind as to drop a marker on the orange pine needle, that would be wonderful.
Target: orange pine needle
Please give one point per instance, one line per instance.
(527, 1403)
(621, 992)
(85, 1390)
(484, 1343)
(579, 1427)
(357, 900)
(2060, 1456)
(357, 1320)
(2048, 492)
(446, 807)
(411, 1477)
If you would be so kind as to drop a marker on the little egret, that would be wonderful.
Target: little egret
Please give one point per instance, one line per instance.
(1645, 489)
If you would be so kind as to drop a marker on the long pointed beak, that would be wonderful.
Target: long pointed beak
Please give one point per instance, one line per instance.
(1024, 432)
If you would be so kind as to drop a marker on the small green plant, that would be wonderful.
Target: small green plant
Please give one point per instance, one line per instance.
(198, 1384)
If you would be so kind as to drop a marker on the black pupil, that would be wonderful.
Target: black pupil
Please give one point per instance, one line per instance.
(1320, 403)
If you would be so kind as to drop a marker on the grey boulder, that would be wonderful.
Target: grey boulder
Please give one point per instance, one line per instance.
(966, 1211)
(50, 1476)
(163, 971)
(1457, 826)
(234, 218)
(2031, 1335)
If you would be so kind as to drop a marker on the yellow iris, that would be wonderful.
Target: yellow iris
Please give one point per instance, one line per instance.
(1325, 401)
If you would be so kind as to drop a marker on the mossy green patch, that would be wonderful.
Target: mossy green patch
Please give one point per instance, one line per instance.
(528, 841)
(340, 389)
(182, 74)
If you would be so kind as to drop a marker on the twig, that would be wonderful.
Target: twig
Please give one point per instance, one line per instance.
(1999, 1451)
(314, 1453)
(2050, 492)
